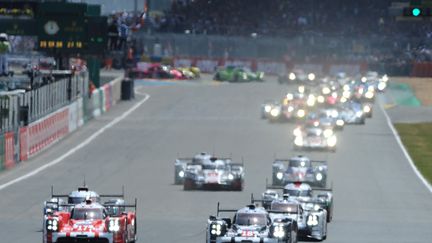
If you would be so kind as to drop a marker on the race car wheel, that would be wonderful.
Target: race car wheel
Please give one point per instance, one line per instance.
(237, 185)
(217, 77)
(188, 185)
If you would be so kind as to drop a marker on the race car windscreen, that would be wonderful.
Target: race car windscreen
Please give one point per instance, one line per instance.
(76, 200)
(298, 193)
(87, 213)
(287, 208)
(213, 167)
(246, 219)
(299, 163)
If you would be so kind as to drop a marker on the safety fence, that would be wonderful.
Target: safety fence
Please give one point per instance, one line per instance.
(53, 112)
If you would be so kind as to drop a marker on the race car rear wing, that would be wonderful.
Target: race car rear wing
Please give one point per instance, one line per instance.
(85, 188)
(134, 205)
(219, 210)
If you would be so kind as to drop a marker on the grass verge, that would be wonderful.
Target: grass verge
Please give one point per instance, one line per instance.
(417, 139)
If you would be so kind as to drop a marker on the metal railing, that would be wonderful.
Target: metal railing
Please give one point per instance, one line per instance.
(20, 108)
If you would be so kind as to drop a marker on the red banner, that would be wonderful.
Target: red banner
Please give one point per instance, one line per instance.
(9, 150)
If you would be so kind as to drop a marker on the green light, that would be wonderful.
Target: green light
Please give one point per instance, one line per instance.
(416, 12)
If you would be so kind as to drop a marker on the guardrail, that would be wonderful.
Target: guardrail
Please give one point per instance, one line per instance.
(37, 119)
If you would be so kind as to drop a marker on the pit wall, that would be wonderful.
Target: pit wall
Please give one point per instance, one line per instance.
(39, 135)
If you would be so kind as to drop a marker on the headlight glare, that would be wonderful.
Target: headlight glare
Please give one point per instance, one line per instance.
(114, 225)
(312, 220)
(319, 177)
(279, 175)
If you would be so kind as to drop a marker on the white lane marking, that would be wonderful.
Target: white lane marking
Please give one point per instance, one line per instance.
(80, 146)
(405, 152)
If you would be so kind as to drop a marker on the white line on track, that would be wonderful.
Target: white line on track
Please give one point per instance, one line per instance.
(80, 146)
(405, 152)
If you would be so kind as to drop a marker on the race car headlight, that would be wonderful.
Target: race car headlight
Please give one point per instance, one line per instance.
(181, 174)
(343, 100)
(318, 176)
(267, 108)
(340, 122)
(312, 220)
(326, 90)
(346, 94)
(301, 89)
(290, 108)
(298, 141)
(364, 79)
(52, 225)
(331, 141)
(301, 113)
(311, 76)
(366, 109)
(346, 87)
(369, 94)
(279, 175)
(292, 76)
(328, 133)
(317, 207)
(114, 225)
(230, 177)
(382, 86)
(279, 231)
(320, 99)
(385, 78)
(290, 96)
(275, 112)
(216, 229)
(310, 101)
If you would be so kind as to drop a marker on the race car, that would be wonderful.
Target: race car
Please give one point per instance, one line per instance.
(311, 218)
(314, 138)
(267, 107)
(155, 70)
(296, 76)
(205, 171)
(238, 74)
(324, 119)
(352, 113)
(91, 221)
(250, 224)
(84, 218)
(308, 196)
(190, 72)
(333, 114)
(299, 169)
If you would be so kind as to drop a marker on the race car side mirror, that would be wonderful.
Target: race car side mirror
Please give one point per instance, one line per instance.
(227, 221)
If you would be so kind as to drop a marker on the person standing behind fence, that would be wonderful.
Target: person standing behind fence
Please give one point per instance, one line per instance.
(124, 32)
(113, 33)
(5, 47)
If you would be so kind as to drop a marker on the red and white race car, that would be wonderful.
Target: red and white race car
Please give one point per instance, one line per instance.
(91, 221)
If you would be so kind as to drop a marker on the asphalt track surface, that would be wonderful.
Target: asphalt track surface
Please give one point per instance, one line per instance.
(378, 198)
